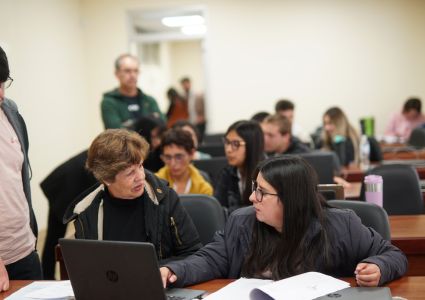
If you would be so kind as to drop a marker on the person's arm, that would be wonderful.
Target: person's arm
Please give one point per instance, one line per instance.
(4, 277)
(371, 248)
(208, 263)
(391, 129)
(110, 116)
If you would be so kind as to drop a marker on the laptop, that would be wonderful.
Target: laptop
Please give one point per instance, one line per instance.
(116, 270)
(360, 293)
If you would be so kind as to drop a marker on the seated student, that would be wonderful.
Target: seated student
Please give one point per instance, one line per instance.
(177, 153)
(278, 138)
(244, 148)
(194, 133)
(286, 108)
(290, 230)
(339, 136)
(402, 124)
(131, 204)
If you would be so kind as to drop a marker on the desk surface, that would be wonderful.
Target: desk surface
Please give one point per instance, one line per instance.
(410, 287)
(407, 227)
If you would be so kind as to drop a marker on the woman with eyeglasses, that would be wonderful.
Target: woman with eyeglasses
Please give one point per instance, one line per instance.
(287, 231)
(178, 150)
(131, 203)
(244, 149)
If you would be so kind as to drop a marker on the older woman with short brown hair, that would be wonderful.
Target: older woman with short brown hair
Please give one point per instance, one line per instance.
(130, 204)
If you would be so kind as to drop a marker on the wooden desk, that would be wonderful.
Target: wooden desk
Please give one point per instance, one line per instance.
(354, 174)
(412, 288)
(408, 234)
(409, 287)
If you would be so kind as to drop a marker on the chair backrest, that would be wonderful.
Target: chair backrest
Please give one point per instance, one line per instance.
(323, 163)
(206, 213)
(417, 138)
(402, 193)
(375, 150)
(371, 215)
(215, 138)
(331, 191)
(212, 166)
(215, 150)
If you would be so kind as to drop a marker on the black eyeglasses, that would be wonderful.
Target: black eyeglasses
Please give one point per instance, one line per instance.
(234, 145)
(259, 194)
(8, 82)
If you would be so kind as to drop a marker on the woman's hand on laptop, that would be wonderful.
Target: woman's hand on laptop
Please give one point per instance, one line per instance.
(367, 274)
(4, 277)
(167, 276)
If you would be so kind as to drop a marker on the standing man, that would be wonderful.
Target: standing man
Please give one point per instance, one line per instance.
(125, 105)
(18, 228)
(195, 104)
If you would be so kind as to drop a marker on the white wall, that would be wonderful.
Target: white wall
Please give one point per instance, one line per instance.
(366, 56)
(43, 42)
(186, 60)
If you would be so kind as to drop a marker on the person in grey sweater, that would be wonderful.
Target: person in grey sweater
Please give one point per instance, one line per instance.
(289, 230)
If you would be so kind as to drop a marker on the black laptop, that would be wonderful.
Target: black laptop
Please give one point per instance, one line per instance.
(360, 293)
(116, 270)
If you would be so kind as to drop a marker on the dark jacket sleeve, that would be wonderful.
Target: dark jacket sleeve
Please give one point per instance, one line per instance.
(372, 248)
(185, 236)
(226, 190)
(222, 258)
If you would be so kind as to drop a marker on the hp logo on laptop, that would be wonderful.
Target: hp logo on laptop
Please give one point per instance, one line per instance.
(112, 276)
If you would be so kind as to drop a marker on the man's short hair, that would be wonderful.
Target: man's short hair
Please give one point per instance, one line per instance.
(121, 57)
(178, 137)
(284, 105)
(412, 104)
(4, 66)
(281, 122)
(185, 79)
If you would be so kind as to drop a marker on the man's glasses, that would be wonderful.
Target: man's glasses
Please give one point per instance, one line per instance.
(8, 82)
(178, 157)
(234, 145)
(259, 194)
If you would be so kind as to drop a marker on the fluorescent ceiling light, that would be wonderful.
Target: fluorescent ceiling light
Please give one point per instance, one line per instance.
(194, 30)
(179, 21)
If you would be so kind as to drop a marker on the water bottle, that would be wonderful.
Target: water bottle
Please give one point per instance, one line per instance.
(374, 189)
(364, 153)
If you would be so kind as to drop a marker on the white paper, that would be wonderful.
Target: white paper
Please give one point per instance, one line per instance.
(238, 289)
(305, 286)
(44, 290)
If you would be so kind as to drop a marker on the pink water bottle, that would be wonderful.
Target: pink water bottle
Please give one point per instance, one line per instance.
(374, 189)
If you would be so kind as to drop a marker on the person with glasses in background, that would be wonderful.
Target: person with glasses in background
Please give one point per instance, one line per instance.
(178, 150)
(244, 149)
(18, 227)
(287, 231)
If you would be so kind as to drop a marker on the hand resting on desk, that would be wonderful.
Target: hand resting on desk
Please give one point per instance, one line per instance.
(367, 274)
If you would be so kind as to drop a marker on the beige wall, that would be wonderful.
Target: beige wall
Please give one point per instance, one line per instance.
(186, 60)
(366, 56)
(43, 40)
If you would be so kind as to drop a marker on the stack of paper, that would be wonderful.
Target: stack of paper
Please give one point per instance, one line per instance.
(45, 290)
(306, 286)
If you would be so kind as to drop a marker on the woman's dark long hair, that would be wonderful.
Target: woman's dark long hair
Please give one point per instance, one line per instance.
(251, 133)
(292, 251)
